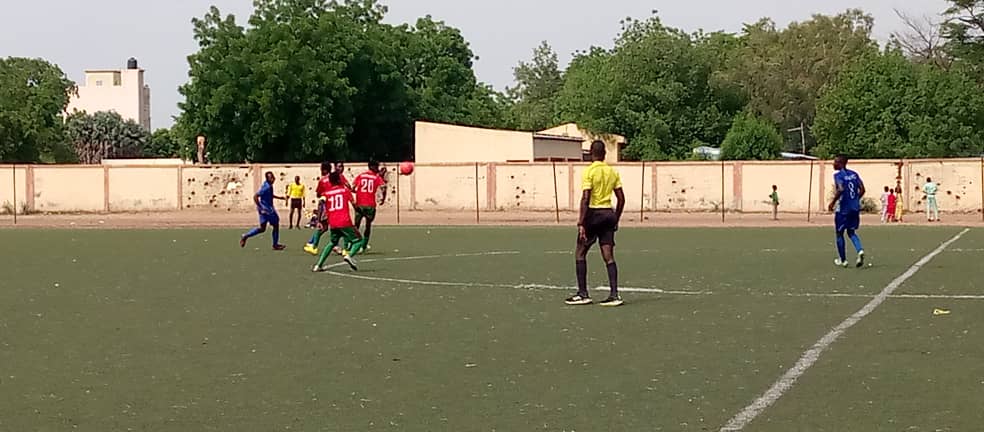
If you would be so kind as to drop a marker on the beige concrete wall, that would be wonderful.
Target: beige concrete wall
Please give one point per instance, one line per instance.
(69, 188)
(139, 189)
(531, 186)
(449, 187)
(694, 186)
(442, 143)
(665, 186)
(13, 187)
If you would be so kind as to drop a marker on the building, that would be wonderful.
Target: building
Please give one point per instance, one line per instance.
(122, 91)
(614, 144)
(714, 153)
(442, 143)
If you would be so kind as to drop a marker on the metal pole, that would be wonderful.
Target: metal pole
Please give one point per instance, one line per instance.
(803, 136)
(809, 196)
(13, 173)
(722, 191)
(642, 193)
(398, 187)
(477, 217)
(553, 164)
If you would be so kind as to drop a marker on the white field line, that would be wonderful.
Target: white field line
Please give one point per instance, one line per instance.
(810, 357)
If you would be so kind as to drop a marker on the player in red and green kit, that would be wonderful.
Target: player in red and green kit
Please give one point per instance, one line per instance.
(338, 199)
(366, 185)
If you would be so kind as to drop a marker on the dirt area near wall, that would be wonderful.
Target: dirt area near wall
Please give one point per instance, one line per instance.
(234, 219)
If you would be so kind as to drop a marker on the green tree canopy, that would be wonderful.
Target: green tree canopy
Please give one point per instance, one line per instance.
(655, 88)
(538, 82)
(889, 107)
(310, 80)
(104, 135)
(751, 138)
(33, 97)
(784, 71)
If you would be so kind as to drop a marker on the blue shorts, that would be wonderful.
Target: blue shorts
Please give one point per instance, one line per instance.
(271, 218)
(847, 221)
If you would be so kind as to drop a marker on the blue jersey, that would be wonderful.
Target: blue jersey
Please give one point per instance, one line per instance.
(849, 183)
(266, 198)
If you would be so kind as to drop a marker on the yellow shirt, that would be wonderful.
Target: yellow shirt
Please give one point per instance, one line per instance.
(602, 180)
(295, 190)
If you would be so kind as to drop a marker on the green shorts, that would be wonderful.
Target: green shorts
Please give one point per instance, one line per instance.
(366, 212)
(349, 234)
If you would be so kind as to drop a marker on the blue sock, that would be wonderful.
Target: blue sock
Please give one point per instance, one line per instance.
(840, 246)
(253, 233)
(315, 237)
(855, 239)
(276, 236)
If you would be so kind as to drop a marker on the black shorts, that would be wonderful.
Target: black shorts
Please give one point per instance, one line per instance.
(599, 225)
(296, 203)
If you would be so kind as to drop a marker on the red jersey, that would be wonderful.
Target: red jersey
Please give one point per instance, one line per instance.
(337, 201)
(366, 185)
(324, 185)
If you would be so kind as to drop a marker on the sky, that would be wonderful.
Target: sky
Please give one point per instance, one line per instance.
(100, 34)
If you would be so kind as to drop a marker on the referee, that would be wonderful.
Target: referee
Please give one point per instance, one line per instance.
(598, 222)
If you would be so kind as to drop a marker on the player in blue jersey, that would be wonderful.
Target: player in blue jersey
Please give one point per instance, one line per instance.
(847, 216)
(268, 214)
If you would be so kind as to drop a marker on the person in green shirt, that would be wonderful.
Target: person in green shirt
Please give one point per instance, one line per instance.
(932, 209)
(775, 202)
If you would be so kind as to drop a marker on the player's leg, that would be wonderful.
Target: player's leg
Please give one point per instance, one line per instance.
(326, 252)
(582, 297)
(359, 215)
(935, 208)
(253, 232)
(275, 224)
(355, 241)
(840, 222)
(606, 241)
(370, 217)
(853, 223)
(312, 245)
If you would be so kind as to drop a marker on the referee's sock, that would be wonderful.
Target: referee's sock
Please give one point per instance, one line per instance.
(582, 277)
(613, 278)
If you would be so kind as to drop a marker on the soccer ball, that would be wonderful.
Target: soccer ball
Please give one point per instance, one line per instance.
(406, 168)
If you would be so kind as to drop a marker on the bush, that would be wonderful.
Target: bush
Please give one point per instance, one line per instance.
(751, 138)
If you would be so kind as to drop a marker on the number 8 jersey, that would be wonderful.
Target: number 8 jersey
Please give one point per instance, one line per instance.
(849, 183)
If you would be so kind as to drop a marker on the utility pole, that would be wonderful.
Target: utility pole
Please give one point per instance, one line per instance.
(802, 130)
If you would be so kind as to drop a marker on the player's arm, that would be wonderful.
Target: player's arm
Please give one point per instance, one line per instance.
(862, 190)
(620, 196)
(837, 194)
(385, 189)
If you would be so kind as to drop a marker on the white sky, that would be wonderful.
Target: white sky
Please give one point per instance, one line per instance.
(93, 34)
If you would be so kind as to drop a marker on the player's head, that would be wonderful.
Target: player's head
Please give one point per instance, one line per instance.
(929, 180)
(339, 166)
(774, 187)
(840, 162)
(325, 168)
(886, 188)
(335, 178)
(297, 179)
(598, 151)
(270, 178)
(374, 166)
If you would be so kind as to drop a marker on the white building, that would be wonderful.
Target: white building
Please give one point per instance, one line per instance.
(122, 91)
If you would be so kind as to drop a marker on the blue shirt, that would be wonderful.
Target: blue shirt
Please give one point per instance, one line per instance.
(266, 197)
(849, 183)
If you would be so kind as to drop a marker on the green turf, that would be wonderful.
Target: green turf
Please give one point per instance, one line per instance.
(176, 330)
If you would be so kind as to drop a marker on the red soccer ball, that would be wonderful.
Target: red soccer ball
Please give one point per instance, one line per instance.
(406, 168)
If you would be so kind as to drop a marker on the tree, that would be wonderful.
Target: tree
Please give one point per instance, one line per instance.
(784, 71)
(963, 29)
(922, 41)
(751, 138)
(33, 97)
(163, 144)
(312, 80)
(104, 135)
(538, 82)
(889, 107)
(655, 88)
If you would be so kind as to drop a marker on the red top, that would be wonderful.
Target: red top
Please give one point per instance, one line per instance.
(338, 199)
(892, 200)
(366, 185)
(324, 185)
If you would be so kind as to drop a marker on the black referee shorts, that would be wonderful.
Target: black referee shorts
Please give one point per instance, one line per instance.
(599, 226)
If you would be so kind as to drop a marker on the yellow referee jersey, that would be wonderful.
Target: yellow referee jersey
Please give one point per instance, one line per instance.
(295, 190)
(602, 180)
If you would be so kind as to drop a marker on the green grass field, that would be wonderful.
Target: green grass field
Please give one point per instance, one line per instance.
(464, 329)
